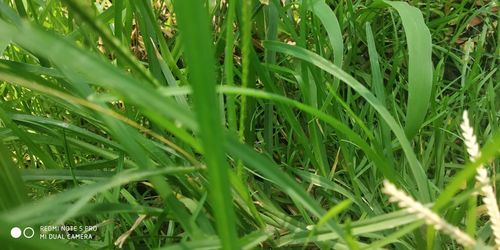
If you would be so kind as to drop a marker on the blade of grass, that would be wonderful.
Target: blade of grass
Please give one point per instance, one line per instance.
(228, 66)
(147, 26)
(270, 86)
(272, 172)
(272, 24)
(332, 27)
(336, 124)
(246, 41)
(366, 226)
(100, 73)
(12, 190)
(248, 242)
(110, 40)
(487, 153)
(193, 21)
(48, 162)
(26, 213)
(379, 91)
(63, 174)
(417, 170)
(420, 66)
(332, 212)
(167, 73)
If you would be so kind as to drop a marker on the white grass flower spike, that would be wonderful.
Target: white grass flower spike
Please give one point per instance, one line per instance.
(405, 201)
(487, 192)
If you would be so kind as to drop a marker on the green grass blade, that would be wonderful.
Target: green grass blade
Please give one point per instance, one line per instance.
(147, 25)
(272, 172)
(110, 40)
(487, 153)
(89, 66)
(248, 242)
(246, 41)
(336, 124)
(365, 226)
(420, 68)
(193, 22)
(272, 23)
(96, 71)
(417, 170)
(228, 66)
(26, 215)
(48, 162)
(332, 27)
(12, 190)
(63, 174)
(3, 44)
(379, 90)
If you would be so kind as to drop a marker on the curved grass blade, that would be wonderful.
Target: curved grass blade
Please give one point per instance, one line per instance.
(332, 27)
(94, 70)
(77, 62)
(366, 226)
(336, 124)
(487, 153)
(420, 66)
(415, 166)
(273, 172)
(25, 214)
(96, 24)
(250, 241)
(48, 162)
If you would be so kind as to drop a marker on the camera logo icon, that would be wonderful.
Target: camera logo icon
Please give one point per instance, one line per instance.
(27, 232)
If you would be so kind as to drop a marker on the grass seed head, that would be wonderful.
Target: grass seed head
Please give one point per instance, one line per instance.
(422, 212)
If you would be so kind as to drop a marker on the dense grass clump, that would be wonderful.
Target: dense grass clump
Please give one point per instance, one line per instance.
(249, 124)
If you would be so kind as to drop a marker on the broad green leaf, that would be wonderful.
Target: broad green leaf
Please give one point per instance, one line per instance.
(420, 67)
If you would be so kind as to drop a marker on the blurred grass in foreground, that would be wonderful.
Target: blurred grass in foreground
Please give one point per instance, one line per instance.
(244, 124)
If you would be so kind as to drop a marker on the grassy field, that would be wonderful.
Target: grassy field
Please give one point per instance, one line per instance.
(249, 124)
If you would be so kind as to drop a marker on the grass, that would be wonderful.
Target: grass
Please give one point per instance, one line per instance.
(245, 124)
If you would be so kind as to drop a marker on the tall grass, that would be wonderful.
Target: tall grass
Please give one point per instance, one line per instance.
(247, 124)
